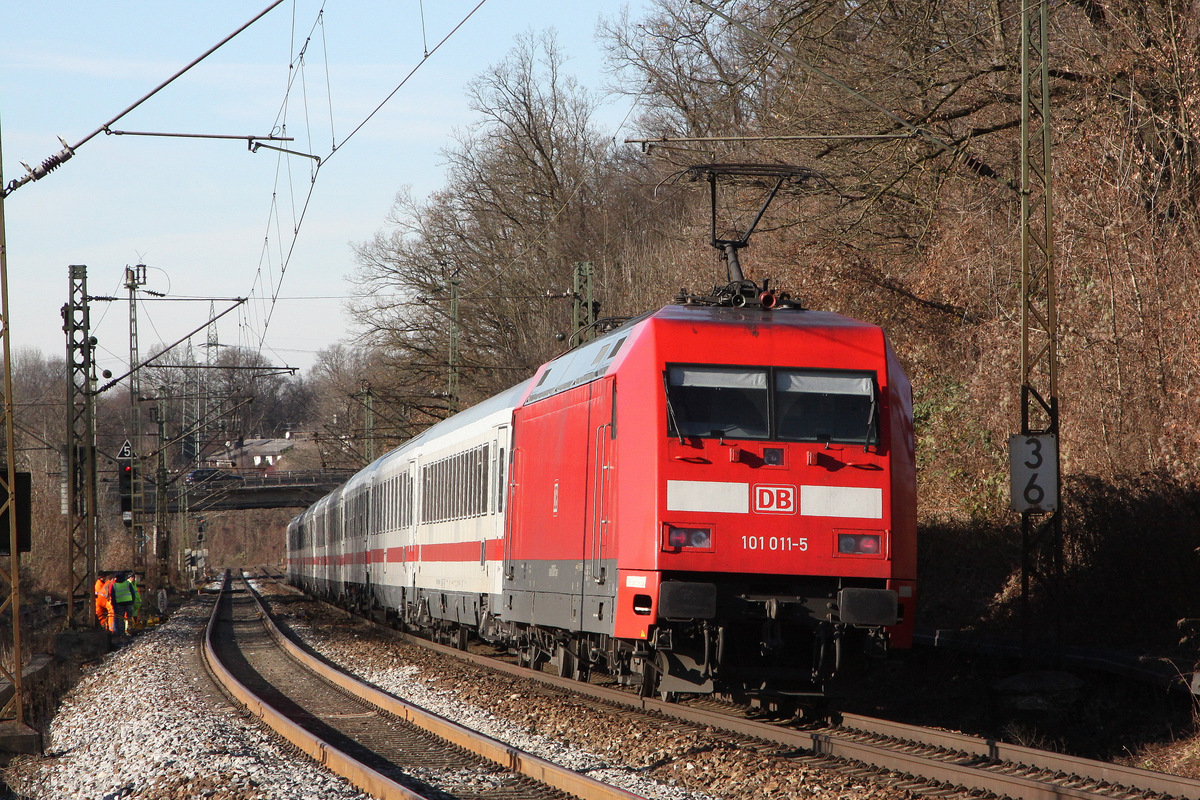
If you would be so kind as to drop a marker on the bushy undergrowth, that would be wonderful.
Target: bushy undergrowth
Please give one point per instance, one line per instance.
(1130, 563)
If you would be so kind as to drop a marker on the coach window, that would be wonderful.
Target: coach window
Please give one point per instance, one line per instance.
(431, 509)
(427, 495)
(717, 402)
(472, 458)
(461, 485)
(406, 500)
(435, 510)
(431, 506)
(826, 406)
(456, 487)
(501, 468)
(438, 480)
(440, 496)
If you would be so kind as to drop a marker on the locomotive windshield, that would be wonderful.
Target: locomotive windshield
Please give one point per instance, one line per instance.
(718, 402)
(762, 403)
(825, 407)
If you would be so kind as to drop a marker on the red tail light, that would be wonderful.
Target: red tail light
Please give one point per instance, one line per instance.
(859, 544)
(679, 538)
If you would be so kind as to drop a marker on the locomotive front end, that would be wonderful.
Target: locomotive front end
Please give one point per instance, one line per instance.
(783, 503)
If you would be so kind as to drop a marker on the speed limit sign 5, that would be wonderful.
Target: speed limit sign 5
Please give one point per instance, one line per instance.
(1033, 473)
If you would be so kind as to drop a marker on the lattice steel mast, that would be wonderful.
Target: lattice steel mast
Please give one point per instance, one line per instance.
(135, 277)
(1035, 464)
(79, 475)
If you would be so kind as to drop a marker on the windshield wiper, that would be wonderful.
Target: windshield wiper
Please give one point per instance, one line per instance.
(671, 409)
(871, 421)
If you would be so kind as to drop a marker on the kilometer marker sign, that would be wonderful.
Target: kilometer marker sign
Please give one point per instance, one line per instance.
(1033, 473)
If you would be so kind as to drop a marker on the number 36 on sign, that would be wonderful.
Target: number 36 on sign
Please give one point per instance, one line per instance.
(1033, 473)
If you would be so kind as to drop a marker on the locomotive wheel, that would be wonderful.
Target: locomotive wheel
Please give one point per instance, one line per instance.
(652, 678)
(660, 661)
(650, 672)
(649, 681)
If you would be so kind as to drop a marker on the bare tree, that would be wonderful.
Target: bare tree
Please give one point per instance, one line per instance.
(484, 257)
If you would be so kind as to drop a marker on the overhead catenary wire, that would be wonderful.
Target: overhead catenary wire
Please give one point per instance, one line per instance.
(164, 351)
(53, 162)
(299, 219)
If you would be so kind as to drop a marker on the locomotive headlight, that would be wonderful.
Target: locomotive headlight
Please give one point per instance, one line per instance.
(680, 538)
(859, 544)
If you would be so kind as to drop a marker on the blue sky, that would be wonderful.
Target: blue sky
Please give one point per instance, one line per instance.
(208, 217)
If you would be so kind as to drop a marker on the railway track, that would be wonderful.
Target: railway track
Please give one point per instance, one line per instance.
(920, 759)
(386, 747)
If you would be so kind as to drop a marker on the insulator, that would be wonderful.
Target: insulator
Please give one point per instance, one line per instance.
(52, 163)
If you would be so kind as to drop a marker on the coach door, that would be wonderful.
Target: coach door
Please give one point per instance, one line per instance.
(498, 488)
(599, 584)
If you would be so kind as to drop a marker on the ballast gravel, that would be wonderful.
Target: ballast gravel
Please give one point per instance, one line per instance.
(144, 725)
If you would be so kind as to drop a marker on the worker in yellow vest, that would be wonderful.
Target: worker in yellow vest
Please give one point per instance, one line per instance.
(135, 614)
(120, 594)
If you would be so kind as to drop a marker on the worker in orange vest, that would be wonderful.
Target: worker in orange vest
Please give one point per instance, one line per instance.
(103, 606)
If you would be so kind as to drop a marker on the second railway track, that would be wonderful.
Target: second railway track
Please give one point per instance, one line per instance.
(922, 760)
(386, 747)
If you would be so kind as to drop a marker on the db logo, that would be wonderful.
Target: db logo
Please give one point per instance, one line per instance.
(775, 499)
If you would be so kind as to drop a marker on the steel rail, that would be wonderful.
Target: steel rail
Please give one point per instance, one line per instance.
(504, 755)
(998, 751)
(322, 752)
(979, 762)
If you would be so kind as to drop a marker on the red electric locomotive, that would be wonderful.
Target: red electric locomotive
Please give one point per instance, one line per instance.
(709, 498)
(714, 499)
